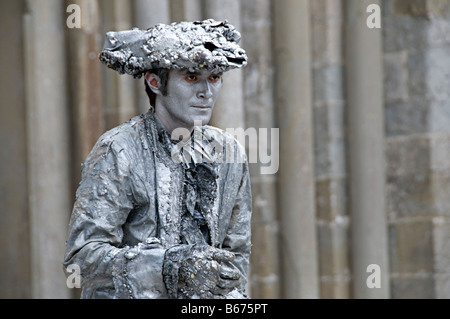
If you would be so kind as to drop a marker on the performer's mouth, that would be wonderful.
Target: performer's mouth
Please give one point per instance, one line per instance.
(202, 106)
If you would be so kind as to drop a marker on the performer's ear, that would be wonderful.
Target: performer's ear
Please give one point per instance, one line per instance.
(153, 82)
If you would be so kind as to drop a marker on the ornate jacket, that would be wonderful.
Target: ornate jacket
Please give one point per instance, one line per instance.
(142, 193)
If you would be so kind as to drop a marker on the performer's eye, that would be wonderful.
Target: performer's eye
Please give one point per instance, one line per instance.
(215, 78)
(191, 77)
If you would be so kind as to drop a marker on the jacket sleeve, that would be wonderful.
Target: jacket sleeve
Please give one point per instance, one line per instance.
(103, 201)
(238, 236)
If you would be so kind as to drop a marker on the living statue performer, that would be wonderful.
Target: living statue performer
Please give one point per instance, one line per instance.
(152, 219)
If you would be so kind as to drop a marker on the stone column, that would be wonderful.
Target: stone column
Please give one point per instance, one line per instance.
(15, 275)
(48, 144)
(333, 222)
(365, 118)
(229, 109)
(260, 114)
(185, 10)
(148, 13)
(296, 175)
(84, 74)
(193, 10)
(119, 89)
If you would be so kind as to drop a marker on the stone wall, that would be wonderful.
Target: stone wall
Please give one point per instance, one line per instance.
(327, 20)
(417, 105)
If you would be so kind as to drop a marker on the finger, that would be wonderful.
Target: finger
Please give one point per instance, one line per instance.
(228, 283)
(214, 265)
(219, 291)
(222, 255)
(228, 272)
(202, 251)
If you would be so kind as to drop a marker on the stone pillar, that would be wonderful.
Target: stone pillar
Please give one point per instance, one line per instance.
(84, 74)
(185, 10)
(417, 101)
(229, 109)
(193, 10)
(260, 113)
(119, 89)
(15, 276)
(296, 175)
(333, 224)
(48, 144)
(148, 13)
(365, 118)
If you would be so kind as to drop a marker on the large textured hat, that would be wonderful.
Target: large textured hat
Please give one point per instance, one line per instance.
(200, 45)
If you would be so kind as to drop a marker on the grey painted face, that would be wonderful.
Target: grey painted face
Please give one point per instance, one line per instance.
(191, 96)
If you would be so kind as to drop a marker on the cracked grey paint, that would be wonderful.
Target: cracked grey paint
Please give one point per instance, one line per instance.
(200, 45)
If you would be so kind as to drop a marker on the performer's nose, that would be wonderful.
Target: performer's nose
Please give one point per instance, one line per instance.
(205, 91)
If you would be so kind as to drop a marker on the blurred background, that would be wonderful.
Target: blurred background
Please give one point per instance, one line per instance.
(360, 204)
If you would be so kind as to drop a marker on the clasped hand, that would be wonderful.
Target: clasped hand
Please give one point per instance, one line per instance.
(206, 272)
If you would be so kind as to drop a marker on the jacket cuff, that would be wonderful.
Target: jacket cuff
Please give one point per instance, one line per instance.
(137, 272)
(171, 264)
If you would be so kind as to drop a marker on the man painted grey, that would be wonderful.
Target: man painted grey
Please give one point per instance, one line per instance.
(144, 223)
